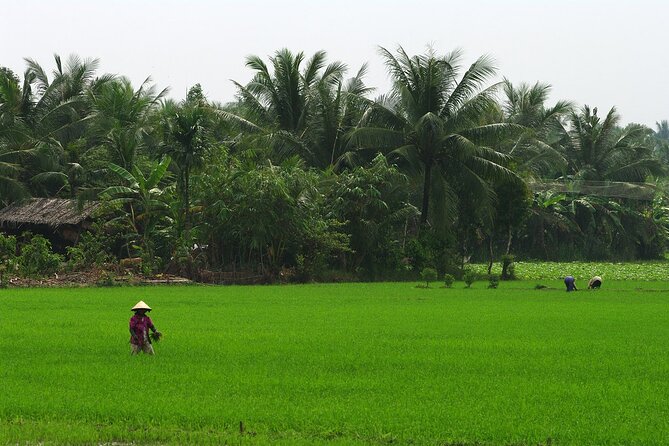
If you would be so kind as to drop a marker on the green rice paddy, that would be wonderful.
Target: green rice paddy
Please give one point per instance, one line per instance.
(341, 364)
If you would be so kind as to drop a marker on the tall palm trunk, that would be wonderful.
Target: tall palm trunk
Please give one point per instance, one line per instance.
(426, 193)
(509, 240)
(491, 254)
(186, 194)
(187, 220)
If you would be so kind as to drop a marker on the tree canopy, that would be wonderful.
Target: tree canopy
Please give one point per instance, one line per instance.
(305, 175)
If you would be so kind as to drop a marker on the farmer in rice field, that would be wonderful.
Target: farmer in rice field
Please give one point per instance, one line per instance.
(570, 283)
(140, 324)
(595, 283)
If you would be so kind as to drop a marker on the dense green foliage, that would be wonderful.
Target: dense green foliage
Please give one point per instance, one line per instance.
(338, 364)
(306, 176)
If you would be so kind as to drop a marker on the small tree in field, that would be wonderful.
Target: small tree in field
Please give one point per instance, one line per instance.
(469, 278)
(428, 275)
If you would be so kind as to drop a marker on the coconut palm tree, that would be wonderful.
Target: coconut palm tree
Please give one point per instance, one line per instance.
(598, 150)
(45, 120)
(59, 106)
(434, 120)
(121, 118)
(660, 141)
(337, 107)
(299, 105)
(662, 131)
(13, 133)
(281, 99)
(537, 150)
(184, 131)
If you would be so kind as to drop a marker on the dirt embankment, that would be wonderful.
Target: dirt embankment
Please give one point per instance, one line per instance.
(94, 277)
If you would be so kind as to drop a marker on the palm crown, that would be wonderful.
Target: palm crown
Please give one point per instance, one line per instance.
(433, 122)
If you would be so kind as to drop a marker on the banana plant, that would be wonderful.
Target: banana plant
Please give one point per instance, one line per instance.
(141, 199)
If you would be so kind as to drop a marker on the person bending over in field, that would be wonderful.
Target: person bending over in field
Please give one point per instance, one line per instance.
(595, 283)
(570, 283)
(140, 324)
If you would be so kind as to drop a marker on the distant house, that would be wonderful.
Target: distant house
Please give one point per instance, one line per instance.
(61, 220)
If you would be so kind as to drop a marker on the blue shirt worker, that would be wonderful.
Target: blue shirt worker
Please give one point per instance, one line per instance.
(570, 283)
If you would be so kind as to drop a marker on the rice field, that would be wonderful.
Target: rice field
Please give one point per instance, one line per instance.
(344, 364)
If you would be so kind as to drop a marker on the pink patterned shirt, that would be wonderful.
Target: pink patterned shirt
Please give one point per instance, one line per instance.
(140, 325)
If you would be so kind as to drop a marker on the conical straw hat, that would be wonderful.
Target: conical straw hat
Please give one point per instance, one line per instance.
(141, 306)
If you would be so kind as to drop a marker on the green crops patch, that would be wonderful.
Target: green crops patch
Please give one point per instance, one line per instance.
(634, 271)
(339, 364)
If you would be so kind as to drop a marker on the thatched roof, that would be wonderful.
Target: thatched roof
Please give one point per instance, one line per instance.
(46, 211)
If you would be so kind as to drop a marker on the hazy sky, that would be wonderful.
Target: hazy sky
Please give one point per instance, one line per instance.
(593, 52)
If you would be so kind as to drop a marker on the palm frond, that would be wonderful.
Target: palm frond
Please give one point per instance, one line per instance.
(472, 82)
(244, 124)
(378, 137)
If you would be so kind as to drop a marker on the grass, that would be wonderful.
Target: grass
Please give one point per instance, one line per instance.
(339, 364)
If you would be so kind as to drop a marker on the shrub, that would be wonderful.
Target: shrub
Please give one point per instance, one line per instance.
(90, 250)
(493, 281)
(428, 275)
(302, 272)
(7, 246)
(508, 267)
(448, 280)
(106, 280)
(8, 258)
(37, 259)
(469, 277)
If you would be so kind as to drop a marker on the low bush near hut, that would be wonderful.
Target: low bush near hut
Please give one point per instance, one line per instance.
(8, 258)
(7, 246)
(92, 249)
(37, 258)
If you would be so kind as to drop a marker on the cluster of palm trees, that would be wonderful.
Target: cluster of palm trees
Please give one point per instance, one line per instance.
(307, 170)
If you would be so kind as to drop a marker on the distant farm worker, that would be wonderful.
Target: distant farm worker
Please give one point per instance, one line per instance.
(595, 283)
(570, 282)
(140, 324)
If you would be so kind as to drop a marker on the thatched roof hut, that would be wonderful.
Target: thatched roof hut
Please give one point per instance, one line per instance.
(53, 212)
(53, 217)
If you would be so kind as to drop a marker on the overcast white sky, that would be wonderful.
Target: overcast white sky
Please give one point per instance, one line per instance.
(593, 52)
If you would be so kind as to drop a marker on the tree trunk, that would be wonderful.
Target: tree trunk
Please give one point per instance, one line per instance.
(426, 192)
(508, 243)
(491, 255)
(542, 239)
(187, 203)
(189, 260)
